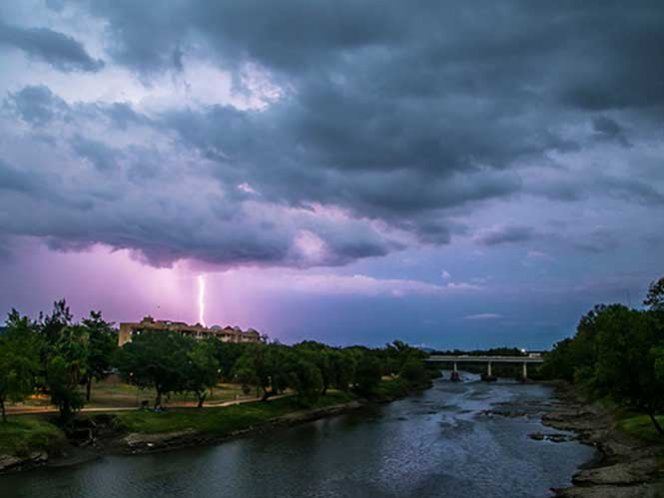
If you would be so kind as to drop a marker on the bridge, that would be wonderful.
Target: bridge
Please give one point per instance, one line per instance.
(489, 360)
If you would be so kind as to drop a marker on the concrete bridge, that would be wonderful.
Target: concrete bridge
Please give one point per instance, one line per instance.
(489, 360)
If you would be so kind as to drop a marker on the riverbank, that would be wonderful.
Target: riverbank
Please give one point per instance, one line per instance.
(141, 431)
(626, 466)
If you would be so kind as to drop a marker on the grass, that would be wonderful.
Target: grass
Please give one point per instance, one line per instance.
(219, 421)
(112, 393)
(642, 427)
(23, 435)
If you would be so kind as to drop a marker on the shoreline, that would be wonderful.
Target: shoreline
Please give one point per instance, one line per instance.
(624, 467)
(114, 441)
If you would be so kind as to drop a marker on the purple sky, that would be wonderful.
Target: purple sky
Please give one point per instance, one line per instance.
(455, 176)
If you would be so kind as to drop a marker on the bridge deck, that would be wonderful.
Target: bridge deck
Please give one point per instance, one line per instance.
(483, 359)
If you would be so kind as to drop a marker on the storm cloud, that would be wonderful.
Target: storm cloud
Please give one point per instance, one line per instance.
(347, 132)
(61, 51)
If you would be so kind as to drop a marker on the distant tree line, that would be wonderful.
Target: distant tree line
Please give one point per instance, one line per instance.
(171, 363)
(57, 357)
(617, 352)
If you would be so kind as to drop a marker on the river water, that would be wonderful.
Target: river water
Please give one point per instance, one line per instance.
(437, 444)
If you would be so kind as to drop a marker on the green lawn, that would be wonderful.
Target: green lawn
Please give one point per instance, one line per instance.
(22, 435)
(112, 393)
(219, 421)
(642, 427)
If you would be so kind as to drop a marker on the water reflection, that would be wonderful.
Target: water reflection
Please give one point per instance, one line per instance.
(441, 443)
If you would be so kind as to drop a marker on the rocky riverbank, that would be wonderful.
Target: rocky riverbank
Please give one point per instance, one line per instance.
(138, 443)
(625, 467)
(106, 438)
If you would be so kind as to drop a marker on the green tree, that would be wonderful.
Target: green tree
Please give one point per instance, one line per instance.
(266, 367)
(65, 370)
(102, 346)
(414, 372)
(51, 326)
(367, 375)
(306, 379)
(19, 360)
(156, 359)
(342, 365)
(202, 372)
(227, 354)
(627, 364)
(655, 297)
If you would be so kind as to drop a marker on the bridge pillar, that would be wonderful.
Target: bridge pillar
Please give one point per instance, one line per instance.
(525, 371)
(455, 373)
(488, 376)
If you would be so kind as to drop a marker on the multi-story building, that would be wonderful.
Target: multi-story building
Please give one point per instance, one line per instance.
(198, 331)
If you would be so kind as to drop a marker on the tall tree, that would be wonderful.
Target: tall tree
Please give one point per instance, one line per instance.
(66, 367)
(156, 359)
(202, 370)
(19, 360)
(102, 345)
(655, 297)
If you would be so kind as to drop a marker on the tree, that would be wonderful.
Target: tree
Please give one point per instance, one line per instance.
(307, 381)
(414, 372)
(265, 366)
(102, 346)
(227, 354)
(367, 375)
(19, 360)
(66, 368)
(342, 365)
(655, 297)
(627, 365)
(51, 326)
(156, 359)
(202, 372)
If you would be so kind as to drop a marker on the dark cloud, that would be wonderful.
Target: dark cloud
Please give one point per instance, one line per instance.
(402, 117)
(504, 235)
(607, 129)
(61, 51)
(103, 157)
(36, 105)
(598, 241)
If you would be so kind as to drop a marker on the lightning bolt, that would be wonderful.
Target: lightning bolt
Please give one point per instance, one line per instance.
(201, 300)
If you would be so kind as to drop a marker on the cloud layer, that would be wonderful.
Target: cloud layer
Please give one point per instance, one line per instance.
(238, 134)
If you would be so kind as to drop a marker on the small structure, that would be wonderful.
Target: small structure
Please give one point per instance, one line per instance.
(130, 330)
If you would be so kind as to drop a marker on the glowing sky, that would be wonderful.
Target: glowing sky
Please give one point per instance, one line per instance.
(453, 175)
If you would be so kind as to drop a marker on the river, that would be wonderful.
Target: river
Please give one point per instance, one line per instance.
(440, 443)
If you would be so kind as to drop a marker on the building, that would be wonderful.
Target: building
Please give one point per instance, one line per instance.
(198, 331)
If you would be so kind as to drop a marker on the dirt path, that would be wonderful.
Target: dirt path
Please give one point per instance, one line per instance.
(37, 410)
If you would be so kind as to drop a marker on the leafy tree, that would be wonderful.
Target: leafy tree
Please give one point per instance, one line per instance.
(66, 368)
(559, 363)
(307, 381)
(19, 360)
(342, 365)
(266, 367)
(367, 375)
(319, 355)
(102, 346)
(156, 359)
(202, 372)
(51, 326)
(227, 354)
(414, 372)
(655, 297)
